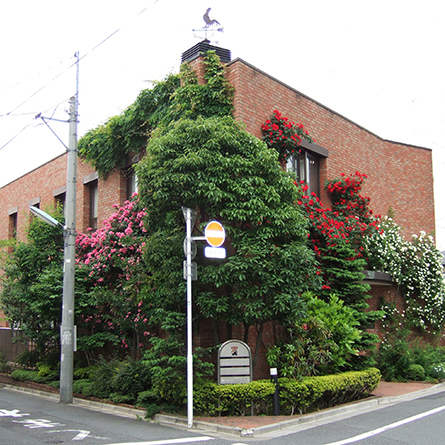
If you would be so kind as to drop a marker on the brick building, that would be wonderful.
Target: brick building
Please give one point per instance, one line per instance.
(400, 176)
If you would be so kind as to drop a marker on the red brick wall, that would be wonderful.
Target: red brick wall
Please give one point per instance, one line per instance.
(400, 176)
(43, 181)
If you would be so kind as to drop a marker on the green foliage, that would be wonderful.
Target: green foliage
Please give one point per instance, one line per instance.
(416, 267)
(398, 360)
(28, 359)
(5, 367)
(214, 166)
(27, 375)
(233, 400)
(314, 393)
(192, 99)
(167, 361)
(416, 372)
(322, 342)
(32, 285)
(80, 386)
(102, 379)
(437, 371)
(308, 394)
(132, 377)
(108, 145)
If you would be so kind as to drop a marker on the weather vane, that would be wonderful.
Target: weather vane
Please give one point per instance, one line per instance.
(209, 27)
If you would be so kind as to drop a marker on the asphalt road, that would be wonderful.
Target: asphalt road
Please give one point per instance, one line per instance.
(27, 419)
(416, 422)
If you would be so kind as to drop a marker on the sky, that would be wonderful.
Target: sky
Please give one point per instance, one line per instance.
(379, 63)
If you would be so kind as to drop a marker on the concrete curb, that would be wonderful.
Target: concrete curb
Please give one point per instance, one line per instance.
(117, 410)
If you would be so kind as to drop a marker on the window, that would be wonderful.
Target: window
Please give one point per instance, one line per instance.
(132, 183)
(90, 201)
(60, 198)
(306, 166)
(12, 228)
(94, 204)
(59, 201)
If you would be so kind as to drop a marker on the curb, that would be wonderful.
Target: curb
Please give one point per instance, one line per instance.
(107, 408)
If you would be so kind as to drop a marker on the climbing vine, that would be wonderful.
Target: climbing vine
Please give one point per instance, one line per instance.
(178, 96)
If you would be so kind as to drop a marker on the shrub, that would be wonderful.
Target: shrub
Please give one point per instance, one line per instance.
(101, 379)
(132, 377)
(80, 385)
(322, 343)
(437, 371)
(27, 375)
(234, 400)
(416, 372)
(4, 366)
(308, 394)
(314, 393)
(28, 359)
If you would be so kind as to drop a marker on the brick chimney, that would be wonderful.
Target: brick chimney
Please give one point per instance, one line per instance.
(195, 56)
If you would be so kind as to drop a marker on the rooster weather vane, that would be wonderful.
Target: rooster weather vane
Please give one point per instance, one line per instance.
(210, 25)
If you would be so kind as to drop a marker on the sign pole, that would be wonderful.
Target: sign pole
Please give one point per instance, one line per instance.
(215, 235)
(189, 223)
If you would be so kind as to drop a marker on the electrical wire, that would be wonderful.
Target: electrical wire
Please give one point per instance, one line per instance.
(19, 82)
(11, 113)
(21, 131)
(69, 67)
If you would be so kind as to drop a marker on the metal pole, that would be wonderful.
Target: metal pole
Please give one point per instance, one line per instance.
(67, 329)
(276, 396)
(189, 319)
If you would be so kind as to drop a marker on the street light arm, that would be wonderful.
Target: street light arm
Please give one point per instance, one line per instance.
(45, 217)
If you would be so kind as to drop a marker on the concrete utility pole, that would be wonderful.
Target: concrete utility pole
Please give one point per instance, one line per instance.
(67, 337)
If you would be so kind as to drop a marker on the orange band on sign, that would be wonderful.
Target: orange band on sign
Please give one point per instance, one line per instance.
(215, 234)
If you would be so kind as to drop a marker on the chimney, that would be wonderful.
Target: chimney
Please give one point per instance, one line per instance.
(200, 50)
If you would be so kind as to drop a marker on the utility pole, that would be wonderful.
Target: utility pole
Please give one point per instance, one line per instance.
(67, 337)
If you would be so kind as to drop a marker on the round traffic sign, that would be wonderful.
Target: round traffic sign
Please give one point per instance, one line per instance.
(215, 234)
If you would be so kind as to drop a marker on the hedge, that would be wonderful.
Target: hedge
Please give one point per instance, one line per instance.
(296, 396)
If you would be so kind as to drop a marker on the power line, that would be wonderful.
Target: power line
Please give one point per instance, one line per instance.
(11, 113)
(21, 131)
(25, 79)
(38, 91)
(69, 67)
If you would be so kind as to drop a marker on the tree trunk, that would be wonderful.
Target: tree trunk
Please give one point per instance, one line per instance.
(258, 344)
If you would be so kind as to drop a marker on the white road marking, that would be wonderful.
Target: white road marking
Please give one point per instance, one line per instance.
(12, 413)
(38, 423)
(169, 441)
(388, 427)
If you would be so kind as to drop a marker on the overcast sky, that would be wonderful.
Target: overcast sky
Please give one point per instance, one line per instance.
(380, 63)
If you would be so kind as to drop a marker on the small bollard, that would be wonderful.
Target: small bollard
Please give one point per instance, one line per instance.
(276, 396)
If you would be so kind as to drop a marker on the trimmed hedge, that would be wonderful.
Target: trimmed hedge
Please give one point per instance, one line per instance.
(315, 393)
(296, 396)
